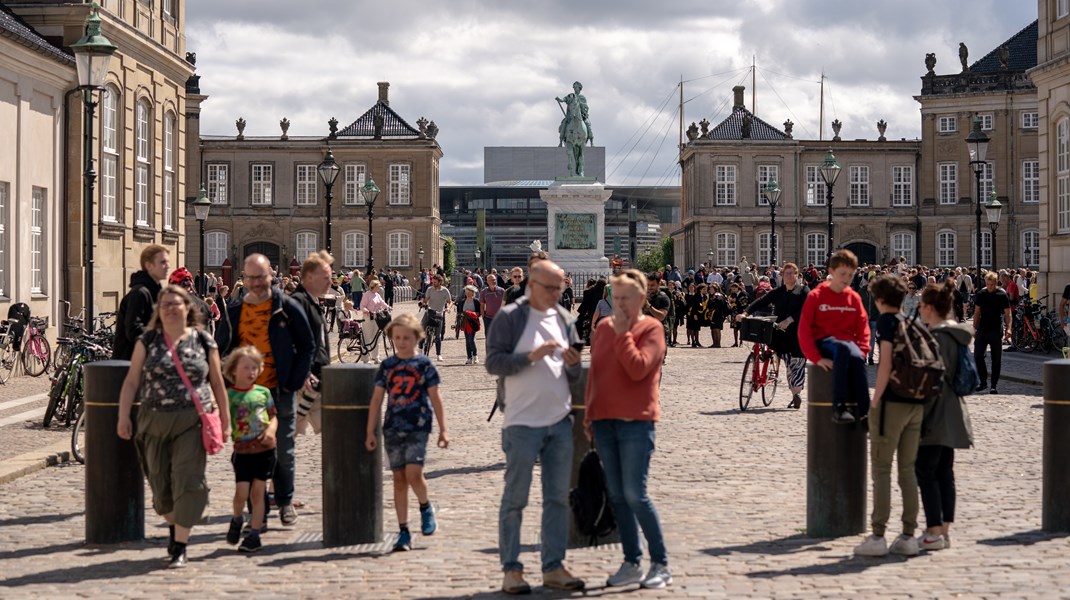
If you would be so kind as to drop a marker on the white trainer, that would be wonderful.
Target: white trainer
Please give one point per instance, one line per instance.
(905, 545)
(627, 574)
(873, 546)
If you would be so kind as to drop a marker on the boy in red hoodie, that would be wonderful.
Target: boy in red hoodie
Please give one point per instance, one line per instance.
(834, 334)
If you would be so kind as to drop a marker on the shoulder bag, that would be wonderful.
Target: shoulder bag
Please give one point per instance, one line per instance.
(211, 429)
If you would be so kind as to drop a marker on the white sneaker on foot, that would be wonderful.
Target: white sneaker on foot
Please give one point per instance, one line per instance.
(873, 546)
(439, 359)
(905, 545)
(627, 574)
(930, 542)
(659, 576)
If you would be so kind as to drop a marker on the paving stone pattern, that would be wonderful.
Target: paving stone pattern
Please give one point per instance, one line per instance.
(730, 488)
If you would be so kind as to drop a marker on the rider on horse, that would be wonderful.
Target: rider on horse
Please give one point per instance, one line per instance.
(575, 98)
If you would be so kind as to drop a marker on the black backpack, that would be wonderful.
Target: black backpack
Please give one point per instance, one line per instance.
(590, 503)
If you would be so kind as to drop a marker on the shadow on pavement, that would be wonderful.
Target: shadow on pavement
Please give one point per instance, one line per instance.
(1023, 538)
(736, 411)
(790, 545)
(119, 569)
(845, 566)
(38, 520)
(523, 548)
(463, 471)
(40, 551)
(540, 592)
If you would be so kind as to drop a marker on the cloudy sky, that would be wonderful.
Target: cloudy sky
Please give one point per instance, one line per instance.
(487, 72)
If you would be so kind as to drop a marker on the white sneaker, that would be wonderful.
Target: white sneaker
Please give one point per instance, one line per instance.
(659, 576)
(627, 574)
(873, 546)
(439, 359)
(929, 542)
(475, 360)
(947, 541)
(467, 361)
(905, 545)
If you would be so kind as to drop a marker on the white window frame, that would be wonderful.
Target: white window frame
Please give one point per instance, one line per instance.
(1031, 248)
(262, 177)
(5, 203)
(815, 187)
(903, 186)
(986, 247)
(306, 177)
(169, 171)
(726, 185)
(305, 243)
(1062, 175)
(726, 244)
(1030, 119)
(143, 166)
(1030, 181)
(218, 182)
(354, 176)
(816, 247)
(948, 176)
(400, 184)
(766, 173)
(946, 242)
(399, 244)
(988, 180)
(903, 245)
(216, 244)
(38, 206)
(354, 249)
(859, 185)
(947, 124)
(987, 121)
(109, 155)
(765, 240)
(1062, 8)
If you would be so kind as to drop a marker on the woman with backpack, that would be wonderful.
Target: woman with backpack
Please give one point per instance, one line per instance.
(946, 425)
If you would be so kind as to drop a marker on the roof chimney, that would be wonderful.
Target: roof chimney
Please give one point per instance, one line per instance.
(384, 92)
(738, 92)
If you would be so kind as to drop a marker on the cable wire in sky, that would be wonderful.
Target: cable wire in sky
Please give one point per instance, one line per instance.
(799, 122)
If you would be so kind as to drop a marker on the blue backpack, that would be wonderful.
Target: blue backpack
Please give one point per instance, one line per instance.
(966, 378)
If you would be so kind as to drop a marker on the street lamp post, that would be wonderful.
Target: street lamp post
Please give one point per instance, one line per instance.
(830, 171)
(421, 255)
(772, 195)
(92, 54)
(709, 259)
(992, 211)
(201, 206)
(977, 142)
(479, 255)
(633, 245)
(370, 192)
(328, 170)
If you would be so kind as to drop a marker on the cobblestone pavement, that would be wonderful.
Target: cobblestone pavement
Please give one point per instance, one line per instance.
(730, 488)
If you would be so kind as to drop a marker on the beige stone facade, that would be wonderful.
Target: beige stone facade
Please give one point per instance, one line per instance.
(268, 197)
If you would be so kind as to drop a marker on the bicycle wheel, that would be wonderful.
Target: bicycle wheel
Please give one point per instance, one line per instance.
(55, 397)
(1058, 338)
(8, 357)
(62, 353)
(429, 335)
(746, 385)
(388, 345)
(36, 356)
(74, 397)
(348, 349)
(78, 439)
(772, 377)
(1028, 341)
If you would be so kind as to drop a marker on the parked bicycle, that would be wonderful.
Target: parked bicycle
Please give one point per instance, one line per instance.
(1036, 326)
(352, 346)
(761, 371)
(66, 396)
(14, 333)
(433, 329)
(36, 351)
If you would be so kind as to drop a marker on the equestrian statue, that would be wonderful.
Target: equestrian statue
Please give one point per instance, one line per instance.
(575, 130)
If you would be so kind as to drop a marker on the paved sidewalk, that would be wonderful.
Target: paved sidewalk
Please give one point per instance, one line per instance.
(730, 488)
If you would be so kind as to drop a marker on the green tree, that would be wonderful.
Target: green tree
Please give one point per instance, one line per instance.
(449, 255)
(657, 257)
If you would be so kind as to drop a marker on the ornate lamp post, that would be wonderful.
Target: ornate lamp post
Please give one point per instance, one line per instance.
(328, 170)
(709, 259)
(992, 211)
(977, 142)
(479, 255)
(370, 191)
(421, 255)
(92, 54)
(830, 171)
(201, 206)
(772, 195)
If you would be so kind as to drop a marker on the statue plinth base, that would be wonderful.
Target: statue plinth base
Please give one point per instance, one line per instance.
(576, 224)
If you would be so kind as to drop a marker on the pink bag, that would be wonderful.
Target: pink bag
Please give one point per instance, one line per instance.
(211, 428)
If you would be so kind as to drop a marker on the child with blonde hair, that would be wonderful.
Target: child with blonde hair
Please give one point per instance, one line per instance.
(410, 383)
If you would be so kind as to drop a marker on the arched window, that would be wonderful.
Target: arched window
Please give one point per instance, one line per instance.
(143, 165)
(109, 154)
(400, 246)
(945, 248)
(169, 172)
(306, 243)
(816, 248)
(354, 254)
(215, 247)
(727, 247)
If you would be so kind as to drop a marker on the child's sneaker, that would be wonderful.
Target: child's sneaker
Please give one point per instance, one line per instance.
(428, 523)
(842, 417)
(251, 543)
(404, 542)
(873, 546)
(905, 545)
(929, 542)
(234, 533)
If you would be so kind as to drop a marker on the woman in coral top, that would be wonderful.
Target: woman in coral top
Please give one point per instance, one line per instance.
(622, 407)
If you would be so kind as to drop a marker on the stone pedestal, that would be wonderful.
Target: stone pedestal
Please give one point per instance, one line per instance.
(576, 224)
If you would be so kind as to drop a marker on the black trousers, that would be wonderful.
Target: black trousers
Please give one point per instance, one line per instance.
(988, 339)
(934, 469)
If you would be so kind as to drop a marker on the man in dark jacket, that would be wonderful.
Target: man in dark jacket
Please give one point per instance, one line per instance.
(315, 281)
(277, 326)
(137, 305)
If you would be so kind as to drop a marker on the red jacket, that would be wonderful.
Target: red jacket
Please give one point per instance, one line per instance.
(827, 313)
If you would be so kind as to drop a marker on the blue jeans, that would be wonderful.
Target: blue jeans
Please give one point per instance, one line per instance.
(284, 467)
(849, 380)
(872, 338)
(625, 448)
(470, 345)
(553, 447)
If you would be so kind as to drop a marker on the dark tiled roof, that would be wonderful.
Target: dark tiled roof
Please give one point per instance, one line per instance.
(393, 125)
(732, 128)
(1022, 48)
(13, 27)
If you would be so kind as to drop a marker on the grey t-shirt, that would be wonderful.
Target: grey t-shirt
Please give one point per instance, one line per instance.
(437, 299)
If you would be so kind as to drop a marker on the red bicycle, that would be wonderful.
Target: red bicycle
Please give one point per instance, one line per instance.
(761, 371)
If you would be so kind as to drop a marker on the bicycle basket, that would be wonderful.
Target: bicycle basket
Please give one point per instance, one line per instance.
(758, 330)
(382, 318)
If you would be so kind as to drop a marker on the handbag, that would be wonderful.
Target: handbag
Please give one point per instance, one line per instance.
(211, 428)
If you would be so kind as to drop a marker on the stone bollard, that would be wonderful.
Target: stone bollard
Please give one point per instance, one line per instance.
(114, 486)
(836, 470)
(1055, 489)
(580, 446)
(352, 476)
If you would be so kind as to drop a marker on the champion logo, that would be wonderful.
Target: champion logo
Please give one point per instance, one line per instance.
(827, 308)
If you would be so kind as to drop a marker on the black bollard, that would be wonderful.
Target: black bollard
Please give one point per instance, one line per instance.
(114, 486)
(352, 476)
(1055, 489)
(580, 446)
(836, 458)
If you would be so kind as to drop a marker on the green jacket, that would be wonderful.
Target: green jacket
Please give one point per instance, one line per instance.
(947, 420)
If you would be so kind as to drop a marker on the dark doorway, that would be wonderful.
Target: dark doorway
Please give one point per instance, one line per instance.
(866, 253)
(266, 248)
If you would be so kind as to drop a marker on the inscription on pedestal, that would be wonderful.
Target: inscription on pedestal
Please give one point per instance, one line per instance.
(575, 231)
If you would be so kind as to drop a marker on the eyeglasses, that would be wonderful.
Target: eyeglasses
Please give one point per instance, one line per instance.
(548, 287)
(257, 277)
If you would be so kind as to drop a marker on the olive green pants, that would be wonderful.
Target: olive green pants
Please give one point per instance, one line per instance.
(902, 430)
(173, 460)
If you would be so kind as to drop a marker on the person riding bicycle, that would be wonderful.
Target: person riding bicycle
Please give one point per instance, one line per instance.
(787, 303)
(436, 300)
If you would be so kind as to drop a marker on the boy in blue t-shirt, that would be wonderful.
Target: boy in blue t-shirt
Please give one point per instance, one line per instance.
(410, 383)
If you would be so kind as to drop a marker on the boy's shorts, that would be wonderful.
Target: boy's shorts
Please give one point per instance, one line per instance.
(405, 448)
(249, 467)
